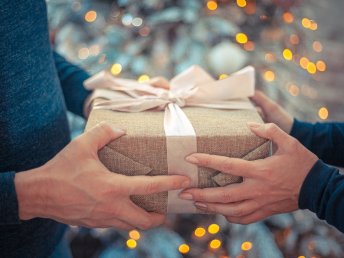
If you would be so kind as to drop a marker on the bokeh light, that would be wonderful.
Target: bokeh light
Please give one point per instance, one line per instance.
(131, 243)
(116, 69)
(199, 232)
(241, 38)
(91, 16)
(212, 5)
(184, 248)
(215, 244)
(323, 113)
(213, 229)
(246, 246)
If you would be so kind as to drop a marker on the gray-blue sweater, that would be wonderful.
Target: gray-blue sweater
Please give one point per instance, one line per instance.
(33, 123)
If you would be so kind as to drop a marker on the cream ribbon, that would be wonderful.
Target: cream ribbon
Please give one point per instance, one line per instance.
(192, 88)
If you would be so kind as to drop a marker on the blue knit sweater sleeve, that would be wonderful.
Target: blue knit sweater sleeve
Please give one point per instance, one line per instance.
(326, 140)
(8, 199)
(71, 78)
(322, 192)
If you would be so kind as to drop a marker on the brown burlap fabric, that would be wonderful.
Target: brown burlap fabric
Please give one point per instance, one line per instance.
(142, 151)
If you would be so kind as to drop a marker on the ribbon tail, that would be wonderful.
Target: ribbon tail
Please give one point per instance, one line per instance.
(180, 142)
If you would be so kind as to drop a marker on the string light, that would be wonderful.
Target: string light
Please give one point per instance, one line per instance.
(91, 16)
(306, 23)
(241, 3)
(311, 68)
(287, 54)
(83, 53)
(184, 248)
(293, 90)
(223, 76)
(304, 62)
(212, 5)
(143, 78)
(199, 232)
(134, 234)
(249, 46)
(269, 76)
(241, 38)
(294, 39)
(288, 17)
(317, 46)
(246, 246)
(313, 26)
(270, 57)
(213, 229)
(321, 66)
(215, 244)
(116, 69)
(131, 243)
(323, 113)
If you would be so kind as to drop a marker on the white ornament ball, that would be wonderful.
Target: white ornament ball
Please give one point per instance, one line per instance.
(227, 58)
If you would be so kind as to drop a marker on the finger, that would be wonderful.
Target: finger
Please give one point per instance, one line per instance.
(251, 218)
(263, 101)
(157, 219)
(238, 209)
(143, 185)
(227, 194)
(136, 216)
(233, 166)
(160, 82)
(270, 131)
(101, 134)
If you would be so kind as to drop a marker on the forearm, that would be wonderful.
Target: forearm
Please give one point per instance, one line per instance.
(326, 140)
(323, 193)
(71, 79)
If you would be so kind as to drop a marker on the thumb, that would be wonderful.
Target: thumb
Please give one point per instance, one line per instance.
(269, 131)
(101, 134)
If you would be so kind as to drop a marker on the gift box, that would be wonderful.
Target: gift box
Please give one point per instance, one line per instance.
(198, 114)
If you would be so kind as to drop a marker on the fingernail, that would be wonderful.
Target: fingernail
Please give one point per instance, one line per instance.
(191, 159)
(186, 196)
(253, 125)
(186, 184)
(201, 206)
(118, 130)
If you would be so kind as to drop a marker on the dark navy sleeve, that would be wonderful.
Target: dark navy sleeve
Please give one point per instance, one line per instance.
(326, 140)
(8, 200)
(72, 78)
(322, 192)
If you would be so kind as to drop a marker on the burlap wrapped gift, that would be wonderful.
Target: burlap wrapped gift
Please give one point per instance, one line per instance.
(142, 151)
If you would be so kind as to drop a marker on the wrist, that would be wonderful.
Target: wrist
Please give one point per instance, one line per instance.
(31, 193)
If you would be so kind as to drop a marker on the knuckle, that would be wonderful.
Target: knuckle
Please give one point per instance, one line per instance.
(272, 129)
(238, 212)
(105, 128)
(227, 165)
(146, 225)
(226, 196)
(152, 187)
(200, 196)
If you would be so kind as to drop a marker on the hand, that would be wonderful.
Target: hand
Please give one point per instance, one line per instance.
(272, 112)
(75, 187)
(270, 185)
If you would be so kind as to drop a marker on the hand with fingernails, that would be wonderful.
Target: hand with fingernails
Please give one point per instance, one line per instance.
(270, 186)
(76, 188)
